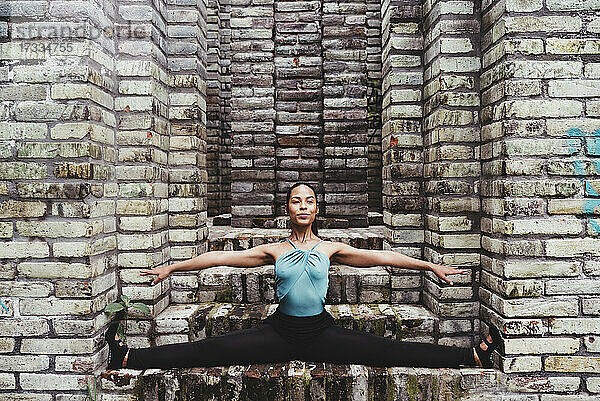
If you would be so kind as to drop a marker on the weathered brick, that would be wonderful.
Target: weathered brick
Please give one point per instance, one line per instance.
(564, 248)
(522, 269)
(557, 287)
(521, 364)
(55, 229)
(8, 250)
(20, 363)
(7, 345)
(570, 88)
(539, 307)
(22, 171)
(572, 5)
(25, 289)
(572, 364)
(574, 326)
(543, 384)
(48, 381)
(49, 307)
(7, 381)
(544, 69)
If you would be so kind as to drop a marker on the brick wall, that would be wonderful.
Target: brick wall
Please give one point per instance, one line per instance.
(451, 162)
(102, 142)
(489, 162)
(402, 143)
(539, 278)
(59, 190)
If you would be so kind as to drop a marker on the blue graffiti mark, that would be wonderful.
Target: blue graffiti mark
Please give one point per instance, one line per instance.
(590, 190)
(4, 306)
(592, 147)
(575, 132)
(595, 226)
(579, 166)
(591, 205)
(580, 132)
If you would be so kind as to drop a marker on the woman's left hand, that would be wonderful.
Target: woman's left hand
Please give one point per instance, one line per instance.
(441, 271)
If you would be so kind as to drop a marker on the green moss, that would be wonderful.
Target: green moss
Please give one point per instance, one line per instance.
(390, 391)
(306, 382)
(457, 391)
(224, 296)
(371, 392)
(360, 324)
(412, 388)
(435, 388)
(209, 328)
(380, 327)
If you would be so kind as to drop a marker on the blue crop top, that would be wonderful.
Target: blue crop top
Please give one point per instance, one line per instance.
(302, 278)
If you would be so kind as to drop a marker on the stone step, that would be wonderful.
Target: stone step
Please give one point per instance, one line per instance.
(257, 285)
(304, 381)
(375, 219)
(191, 322)
(235, 238)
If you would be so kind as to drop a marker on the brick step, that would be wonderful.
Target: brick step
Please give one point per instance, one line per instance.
(300, 381)
(236, 238)
(374, 218)
(257, 285)
(181, 323)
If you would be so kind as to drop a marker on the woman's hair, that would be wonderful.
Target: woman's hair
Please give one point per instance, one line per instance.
(314, 228)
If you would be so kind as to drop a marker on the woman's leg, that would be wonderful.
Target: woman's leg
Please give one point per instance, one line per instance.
(340, 345)
(259, 344)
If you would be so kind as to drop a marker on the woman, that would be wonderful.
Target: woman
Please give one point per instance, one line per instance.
(300, 328)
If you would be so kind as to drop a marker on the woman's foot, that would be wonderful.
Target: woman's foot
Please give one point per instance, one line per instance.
(117, 351)
(483, 352)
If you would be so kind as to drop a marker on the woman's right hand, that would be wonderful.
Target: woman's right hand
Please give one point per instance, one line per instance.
(160, 273)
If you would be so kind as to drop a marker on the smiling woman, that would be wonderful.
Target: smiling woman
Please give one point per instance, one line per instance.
(300, 327)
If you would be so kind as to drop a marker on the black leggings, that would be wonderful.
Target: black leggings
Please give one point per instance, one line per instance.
(335, 344)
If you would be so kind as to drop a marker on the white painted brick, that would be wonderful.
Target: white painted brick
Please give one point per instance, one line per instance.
(54, 346)
(545, 384)
(542, 108)
(565, 248)
(50, 307)
(521, 364)
(533, 268)
(23, 327)
(22, 363)
(530, 23)
(48, 381)
(532, 345)
(575, 326)
(570, 88)
(558, 287)
(8, 250)
(7, 381)
(7, 345)
(55, 270)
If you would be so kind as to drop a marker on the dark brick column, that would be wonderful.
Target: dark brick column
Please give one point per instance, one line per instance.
(298, 101)
(402, 140)
(252, 115)
(345, 113)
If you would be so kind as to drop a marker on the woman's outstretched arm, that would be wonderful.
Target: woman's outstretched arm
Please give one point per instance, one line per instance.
(253, 257)
(348, 255)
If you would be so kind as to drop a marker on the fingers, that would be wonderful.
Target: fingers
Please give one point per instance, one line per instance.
(146, 272)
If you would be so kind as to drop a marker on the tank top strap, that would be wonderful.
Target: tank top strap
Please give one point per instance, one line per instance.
(316, 245)
(288, 240)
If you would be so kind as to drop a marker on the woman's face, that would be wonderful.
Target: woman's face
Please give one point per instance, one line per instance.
(302, 206)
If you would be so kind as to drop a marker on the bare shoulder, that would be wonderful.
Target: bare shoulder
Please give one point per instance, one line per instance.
(276, 249)
(330, 248)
